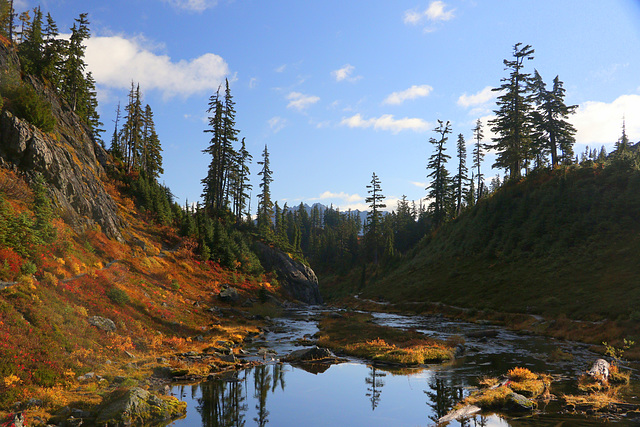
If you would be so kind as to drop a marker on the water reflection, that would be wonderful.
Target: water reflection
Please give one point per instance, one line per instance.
(221, 403)
(375, 383)
(442, 397)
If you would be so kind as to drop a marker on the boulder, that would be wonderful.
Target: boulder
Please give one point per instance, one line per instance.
(229, 294)
(138, 407)
(102, 323)
(518, 403)
(308, 354)
(296, 279)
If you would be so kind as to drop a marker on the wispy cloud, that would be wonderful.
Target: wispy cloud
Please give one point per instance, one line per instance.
(193, 5)
(345, 73)
(253, 82)
(419, 184)
(397, 98)
(277, 124)
(300, 101)
(350, 198)
(434, 13)
(479, 98)
(386, 122)
(601, 123)
(116, 61)
(281, 68)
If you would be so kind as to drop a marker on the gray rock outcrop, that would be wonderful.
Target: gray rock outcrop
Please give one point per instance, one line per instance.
(103, 323)
(70, 160)
(138, 407)
(297, 280)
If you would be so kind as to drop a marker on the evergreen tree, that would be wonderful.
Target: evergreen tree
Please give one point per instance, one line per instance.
(552, 131)
(478, 156)
(7, 15)
(25, 23)
(622, 144)
(52, 53)
(461, 178)
(73, 77)
(31, 48)
(440, 180)
(151, 156)
(115, 149)
(265, 205)
(512, 124)
(224, 159)
(374, 216)
(131, 133)
(91, 108)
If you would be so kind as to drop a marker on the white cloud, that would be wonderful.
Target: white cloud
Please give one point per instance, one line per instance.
(277, 124)
(413, 92)
(193, 5)
(342, 201)
(117, 61)
(300, 101)
(344, 73)
(281, 68)
(351, 198)
(480, 98)
(387, 122)
(253, 82)
(419, 184)
(436, 12)
(601, 123)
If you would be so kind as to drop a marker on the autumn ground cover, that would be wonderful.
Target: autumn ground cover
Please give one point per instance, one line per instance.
(156, 291)
(355, 334)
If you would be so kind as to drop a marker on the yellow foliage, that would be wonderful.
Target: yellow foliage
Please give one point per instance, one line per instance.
(521, 374)
(59, 260)
(11, 380)
(27, 281)
(81, 311)
(49, 279)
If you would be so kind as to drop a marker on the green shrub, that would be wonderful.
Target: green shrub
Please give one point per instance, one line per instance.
(118, 296)
(28, 268)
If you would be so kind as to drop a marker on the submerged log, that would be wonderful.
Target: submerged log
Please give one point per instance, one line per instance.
(600, 370)
(460, 414)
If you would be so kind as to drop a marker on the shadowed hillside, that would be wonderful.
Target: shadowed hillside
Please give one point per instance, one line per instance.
(565, 241)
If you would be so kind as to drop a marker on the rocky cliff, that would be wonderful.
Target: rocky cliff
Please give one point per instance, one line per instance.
(297, 280)
(69, 159)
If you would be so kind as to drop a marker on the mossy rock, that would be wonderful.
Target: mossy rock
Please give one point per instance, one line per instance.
(137, 406)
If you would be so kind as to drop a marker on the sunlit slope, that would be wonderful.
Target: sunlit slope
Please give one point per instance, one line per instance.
(563, 241)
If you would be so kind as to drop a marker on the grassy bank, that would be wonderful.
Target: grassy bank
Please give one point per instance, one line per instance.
(355, 334)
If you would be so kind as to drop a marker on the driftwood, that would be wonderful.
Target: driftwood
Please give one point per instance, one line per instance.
(600, 370)
(461, 413)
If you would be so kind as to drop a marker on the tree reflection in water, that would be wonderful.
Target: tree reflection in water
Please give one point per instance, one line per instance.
(374, 380)
(443, 396)
(223, 403)
(262, 384)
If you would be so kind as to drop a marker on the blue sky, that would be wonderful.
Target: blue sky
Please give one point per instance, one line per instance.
(341, 89)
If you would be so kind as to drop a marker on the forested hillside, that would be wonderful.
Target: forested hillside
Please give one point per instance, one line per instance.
(562, 241)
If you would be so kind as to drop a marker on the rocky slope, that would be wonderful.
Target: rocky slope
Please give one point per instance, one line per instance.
(69, 158)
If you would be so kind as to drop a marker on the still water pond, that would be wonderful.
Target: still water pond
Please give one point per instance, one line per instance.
(358, 394)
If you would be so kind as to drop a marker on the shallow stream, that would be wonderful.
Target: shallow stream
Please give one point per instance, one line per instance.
(359, 394)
